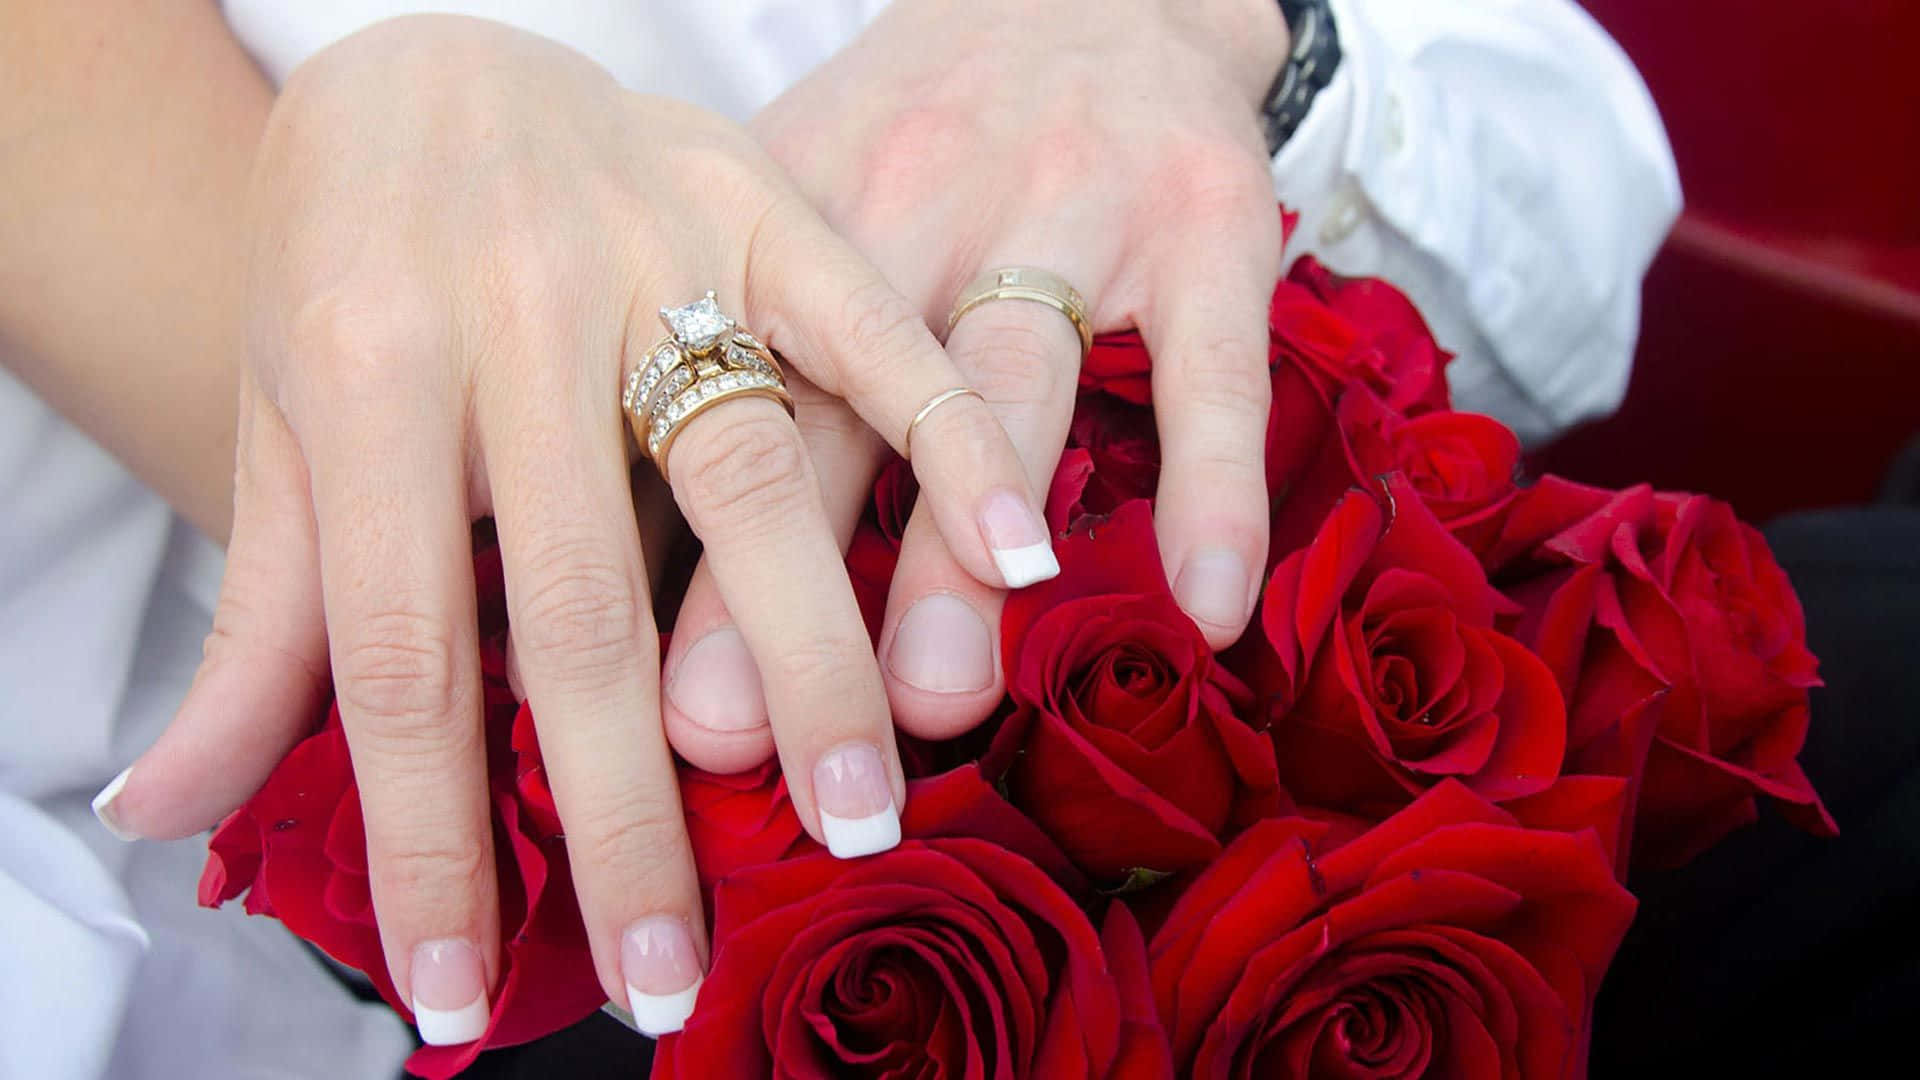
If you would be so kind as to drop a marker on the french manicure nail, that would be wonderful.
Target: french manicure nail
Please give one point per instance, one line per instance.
(717, 684)
(855, 798)
(449, 992)
(942, 646)
(103, 807)
(1017, 537)
(662, 969)
(1212, 587)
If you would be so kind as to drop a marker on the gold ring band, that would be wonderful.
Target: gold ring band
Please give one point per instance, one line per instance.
(933, 403)
(705, 359)
(1026, 283)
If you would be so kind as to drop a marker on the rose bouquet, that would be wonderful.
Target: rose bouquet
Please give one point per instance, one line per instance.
(1386, 834)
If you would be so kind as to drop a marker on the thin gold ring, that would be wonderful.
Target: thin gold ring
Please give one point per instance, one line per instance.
(705, 358)
(1027, 283)
(933, 403)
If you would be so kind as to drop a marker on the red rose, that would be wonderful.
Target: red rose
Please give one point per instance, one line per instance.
(1393, 349)
(875, 547)
(297, 849)
(1318, 452)
(1446, 941)
(959, 953)
(1118, 364)
(1123, 452)
(1681, 647)
(1064, 494)
(1463, 466)
(1124, 742)
(739, 820)
(1385, 674)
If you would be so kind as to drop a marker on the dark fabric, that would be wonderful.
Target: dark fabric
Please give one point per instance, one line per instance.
(597, 1048)
(1777, 954)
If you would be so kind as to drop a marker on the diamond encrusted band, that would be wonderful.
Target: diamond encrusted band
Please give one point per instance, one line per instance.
(705, 359)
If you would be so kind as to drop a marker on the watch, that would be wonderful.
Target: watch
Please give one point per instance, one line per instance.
(1309, 68)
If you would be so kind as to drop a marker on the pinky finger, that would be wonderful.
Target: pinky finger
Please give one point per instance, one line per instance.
(265, 661)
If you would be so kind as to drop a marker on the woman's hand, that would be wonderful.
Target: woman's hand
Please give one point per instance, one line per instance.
(1114, 144)
(460, 235)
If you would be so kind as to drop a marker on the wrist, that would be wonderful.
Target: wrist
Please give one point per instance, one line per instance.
(1249, 36)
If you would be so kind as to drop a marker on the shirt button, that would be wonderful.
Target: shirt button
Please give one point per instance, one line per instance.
(1342, 218)
(1394, 125)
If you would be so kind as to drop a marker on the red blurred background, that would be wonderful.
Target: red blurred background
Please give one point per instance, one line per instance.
(1779, 361)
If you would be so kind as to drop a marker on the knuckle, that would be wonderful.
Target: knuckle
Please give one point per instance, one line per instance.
(916, 151)
(398, 665)
(635, 838)
(424, 870)
(583, 619)
(724, 171)
(1013, 360)
(875, 319)
(1225, 375)
(1212, 179)
(747, 471)
(1055, 169)
(352, 343)
(825, 668)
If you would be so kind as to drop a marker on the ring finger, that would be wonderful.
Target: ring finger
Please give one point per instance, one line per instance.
(745, 483)
(940, 642)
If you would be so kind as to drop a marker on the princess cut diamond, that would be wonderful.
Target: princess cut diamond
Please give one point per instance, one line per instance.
(698, 326)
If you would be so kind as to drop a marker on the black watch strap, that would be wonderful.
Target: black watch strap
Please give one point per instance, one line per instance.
(1309, 68)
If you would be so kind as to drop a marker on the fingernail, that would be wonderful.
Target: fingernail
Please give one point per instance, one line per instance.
(1017, 536)
(942, 646)
(662, 970)
(103, 807)
(449, 992)
(717, 684)
(855, 798)
(1212, 587)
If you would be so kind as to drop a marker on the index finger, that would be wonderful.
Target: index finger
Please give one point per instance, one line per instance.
(837, 320)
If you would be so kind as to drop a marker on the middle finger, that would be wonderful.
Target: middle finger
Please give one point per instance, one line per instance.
(586, 650)
(940, 642)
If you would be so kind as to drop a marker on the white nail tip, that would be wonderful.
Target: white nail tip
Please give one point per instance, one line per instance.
(450, 1027)
(103, 806)
(655, 1015)
(1023, 566)
(850, 838)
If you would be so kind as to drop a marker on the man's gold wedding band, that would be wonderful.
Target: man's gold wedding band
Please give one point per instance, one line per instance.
(705, 359)
(1026, 283)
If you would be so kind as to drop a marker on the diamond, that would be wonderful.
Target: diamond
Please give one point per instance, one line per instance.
(698, 326)
(674, 384)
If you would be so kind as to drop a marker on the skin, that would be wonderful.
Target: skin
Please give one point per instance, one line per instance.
(1114, 144)
(455, 234)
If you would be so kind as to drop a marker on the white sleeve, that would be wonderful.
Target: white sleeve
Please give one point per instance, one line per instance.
(1502, 162)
